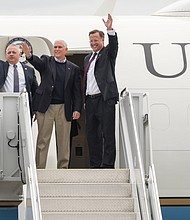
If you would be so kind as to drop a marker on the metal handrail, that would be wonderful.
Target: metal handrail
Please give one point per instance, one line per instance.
(29, 159)
(130, 139)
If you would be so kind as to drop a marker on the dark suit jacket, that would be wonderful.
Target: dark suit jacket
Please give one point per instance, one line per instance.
(30, 78)
(46, 65)
(104, 70)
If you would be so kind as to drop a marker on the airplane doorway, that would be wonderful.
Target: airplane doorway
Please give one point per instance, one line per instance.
(79, 147)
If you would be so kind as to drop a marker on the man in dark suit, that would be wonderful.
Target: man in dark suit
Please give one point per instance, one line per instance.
(26, 74)
(58, 99)
(101, 95)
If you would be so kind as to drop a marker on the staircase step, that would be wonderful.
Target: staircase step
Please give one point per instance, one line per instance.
(89, 216)
(83, 175)
(85, 190)
(86, 194)
(87, 205)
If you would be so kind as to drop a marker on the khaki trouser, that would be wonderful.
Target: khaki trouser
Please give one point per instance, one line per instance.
(54, 114)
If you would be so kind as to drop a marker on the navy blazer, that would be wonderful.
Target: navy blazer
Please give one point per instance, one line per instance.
(30, 79)
(46, 65)
(104, 70)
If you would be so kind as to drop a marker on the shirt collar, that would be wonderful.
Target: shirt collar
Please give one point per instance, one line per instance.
(95, 52)
(60, 61)
(17, 64)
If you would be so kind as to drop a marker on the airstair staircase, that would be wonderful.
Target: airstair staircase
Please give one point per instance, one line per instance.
(86, 194)
(128, 192)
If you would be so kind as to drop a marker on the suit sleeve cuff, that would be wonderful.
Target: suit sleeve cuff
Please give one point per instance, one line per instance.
(111, 32)
(30, 57)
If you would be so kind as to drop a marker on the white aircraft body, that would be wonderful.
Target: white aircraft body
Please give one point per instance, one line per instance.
(153, 58)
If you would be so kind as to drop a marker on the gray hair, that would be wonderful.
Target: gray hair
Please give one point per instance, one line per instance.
(12, 45)
(63, 42)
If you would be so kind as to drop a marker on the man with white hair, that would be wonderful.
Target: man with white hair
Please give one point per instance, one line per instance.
(25, 75)
(58, 100)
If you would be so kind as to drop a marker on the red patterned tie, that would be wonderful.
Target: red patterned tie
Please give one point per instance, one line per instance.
(86, 71)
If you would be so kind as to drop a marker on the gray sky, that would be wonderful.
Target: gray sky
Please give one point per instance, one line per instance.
(82, 7)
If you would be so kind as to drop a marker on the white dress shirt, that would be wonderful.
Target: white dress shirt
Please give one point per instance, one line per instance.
(9, 82)
(92, 86)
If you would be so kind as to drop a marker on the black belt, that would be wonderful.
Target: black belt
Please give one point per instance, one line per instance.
(94, 96)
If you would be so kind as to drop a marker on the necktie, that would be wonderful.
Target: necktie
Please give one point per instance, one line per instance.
(86, 71)
(16, 79)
